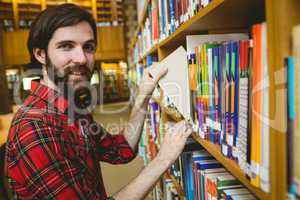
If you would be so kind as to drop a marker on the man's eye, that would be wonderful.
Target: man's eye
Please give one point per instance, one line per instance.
(89, 48)
(65, 46)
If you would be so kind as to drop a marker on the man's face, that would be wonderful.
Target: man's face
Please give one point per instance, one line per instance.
(71, 54)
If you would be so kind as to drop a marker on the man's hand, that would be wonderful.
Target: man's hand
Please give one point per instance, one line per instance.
(174, 142)
(171, 148)
(149, 82)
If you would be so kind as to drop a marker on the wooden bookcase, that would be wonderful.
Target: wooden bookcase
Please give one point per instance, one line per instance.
(27, 10)
(223, 16)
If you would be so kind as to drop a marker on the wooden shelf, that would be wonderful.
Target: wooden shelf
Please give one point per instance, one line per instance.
(231, 166)
(176, 185)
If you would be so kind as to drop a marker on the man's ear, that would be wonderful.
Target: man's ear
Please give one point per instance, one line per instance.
(40, 55)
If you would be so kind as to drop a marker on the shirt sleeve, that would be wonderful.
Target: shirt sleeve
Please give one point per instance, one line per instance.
(37, 168)
(114, 149)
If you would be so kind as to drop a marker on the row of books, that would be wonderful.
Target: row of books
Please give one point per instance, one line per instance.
(229, 86)
(293, 115)
(163, 18)
(205, 178)
(8, 24)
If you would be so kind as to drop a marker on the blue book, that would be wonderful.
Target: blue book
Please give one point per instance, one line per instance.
(291, 119)
(168, 17)
(215, 112)
(226, 149)
(235, 75)
(172, 14)
(162, 20)
(186, 160)
(218, 79)
(222, 55)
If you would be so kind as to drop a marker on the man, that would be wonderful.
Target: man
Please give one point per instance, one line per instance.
(54, 146)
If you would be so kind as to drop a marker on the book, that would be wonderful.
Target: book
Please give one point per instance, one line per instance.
(237, 191)
(265, 137)
(256, 105)
(290, 121)
(242, 197)
(243, 129)
(210, 177)
(176, 88)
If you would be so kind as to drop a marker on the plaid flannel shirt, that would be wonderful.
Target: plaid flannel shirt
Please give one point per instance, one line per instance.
(47, 157)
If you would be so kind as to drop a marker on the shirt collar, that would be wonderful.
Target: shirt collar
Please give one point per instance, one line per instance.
(49, 95)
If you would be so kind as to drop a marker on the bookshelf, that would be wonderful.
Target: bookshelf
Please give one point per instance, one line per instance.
(20, 13)
(223, 16)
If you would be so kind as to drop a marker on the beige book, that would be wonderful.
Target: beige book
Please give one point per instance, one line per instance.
(175, 84)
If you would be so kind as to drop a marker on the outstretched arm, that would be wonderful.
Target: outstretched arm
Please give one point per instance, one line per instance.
(135, 124)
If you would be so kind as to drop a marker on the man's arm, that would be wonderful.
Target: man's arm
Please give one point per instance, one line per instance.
(171, 148)
(135, 124)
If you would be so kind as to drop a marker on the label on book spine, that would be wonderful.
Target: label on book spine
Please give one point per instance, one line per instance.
(225, 149)
(202, 134)
(254, 169)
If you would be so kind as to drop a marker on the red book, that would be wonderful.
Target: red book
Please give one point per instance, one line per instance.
(155, 29)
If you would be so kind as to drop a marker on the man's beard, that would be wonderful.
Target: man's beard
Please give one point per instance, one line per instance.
(73, 90)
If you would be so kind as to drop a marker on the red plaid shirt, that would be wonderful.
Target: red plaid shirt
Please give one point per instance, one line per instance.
(49, 157)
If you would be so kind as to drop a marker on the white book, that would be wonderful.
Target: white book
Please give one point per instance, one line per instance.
(265, 137)
(176, 87)
(236, 191)
(243, 197)
(243, 124)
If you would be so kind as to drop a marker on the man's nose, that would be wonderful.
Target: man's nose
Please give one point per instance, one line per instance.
(79, 56)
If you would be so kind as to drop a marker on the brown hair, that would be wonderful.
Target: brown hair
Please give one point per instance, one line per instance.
(49, 20)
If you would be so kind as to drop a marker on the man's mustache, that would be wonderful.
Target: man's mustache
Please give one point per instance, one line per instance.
(82, 69)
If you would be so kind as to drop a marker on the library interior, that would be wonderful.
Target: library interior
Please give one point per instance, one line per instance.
(230, 75)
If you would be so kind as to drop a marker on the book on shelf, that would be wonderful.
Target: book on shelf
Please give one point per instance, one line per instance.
(260, 110)
(289, 62)
(231, 97)
(176, 88)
